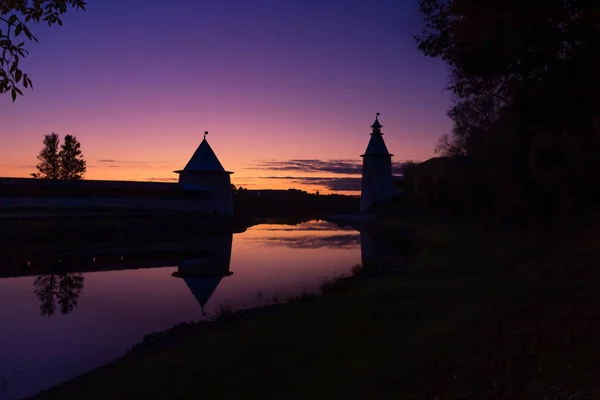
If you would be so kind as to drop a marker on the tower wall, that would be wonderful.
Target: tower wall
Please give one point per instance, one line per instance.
(377, 183)
(219, 184)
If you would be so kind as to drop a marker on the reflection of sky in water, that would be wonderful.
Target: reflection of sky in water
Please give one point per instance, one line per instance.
(315, 242)
(307, 235)
(304, 226)
(115, 309)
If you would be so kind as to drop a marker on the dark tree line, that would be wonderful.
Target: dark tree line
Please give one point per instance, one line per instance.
(290, 203)
(60, 162)
(525, 78)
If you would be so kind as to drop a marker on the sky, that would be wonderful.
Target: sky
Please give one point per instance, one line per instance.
(287, 89)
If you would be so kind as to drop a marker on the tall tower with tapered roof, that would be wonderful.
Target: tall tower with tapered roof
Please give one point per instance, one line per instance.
(204, 172)
(377, 183)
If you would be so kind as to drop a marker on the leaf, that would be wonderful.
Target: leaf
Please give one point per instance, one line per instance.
(18, 75)
(13, 94)
(28, 33)
(18, 90)
(18, 30)
(12, 19)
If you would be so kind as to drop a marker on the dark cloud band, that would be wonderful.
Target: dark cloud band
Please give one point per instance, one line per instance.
(341, 166)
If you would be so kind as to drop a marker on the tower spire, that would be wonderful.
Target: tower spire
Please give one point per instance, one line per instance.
(376, 125)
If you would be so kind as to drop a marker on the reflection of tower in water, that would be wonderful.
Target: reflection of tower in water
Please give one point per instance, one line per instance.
(203, 275)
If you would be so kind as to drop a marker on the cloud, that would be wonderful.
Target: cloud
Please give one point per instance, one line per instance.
(339, 166)
(351, 167)
(130, 166)
(128, 163)
(161, 179)
(343, 184)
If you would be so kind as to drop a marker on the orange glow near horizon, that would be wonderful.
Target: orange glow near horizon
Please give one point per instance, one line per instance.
(117, 156)
(269, 80)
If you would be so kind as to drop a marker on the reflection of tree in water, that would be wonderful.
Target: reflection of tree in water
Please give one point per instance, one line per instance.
(44, 288)
(53, 289)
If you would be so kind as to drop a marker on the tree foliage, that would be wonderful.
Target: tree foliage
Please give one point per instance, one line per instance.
(499, 46)
(15, 15)
(72, 164)
(49, 159)
(538, 55)
(472, 117)
(525, 76)
(68, 163)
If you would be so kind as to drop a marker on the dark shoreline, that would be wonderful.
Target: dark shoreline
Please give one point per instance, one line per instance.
(32, 246)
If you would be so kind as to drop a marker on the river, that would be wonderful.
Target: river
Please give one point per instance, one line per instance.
(56, 326)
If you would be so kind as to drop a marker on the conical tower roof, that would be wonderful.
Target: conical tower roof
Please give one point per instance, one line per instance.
(202, 288)
(204, 159)
(376, 146)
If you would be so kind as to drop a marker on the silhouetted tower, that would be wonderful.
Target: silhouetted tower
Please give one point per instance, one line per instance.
(377, 183)
(204, 172)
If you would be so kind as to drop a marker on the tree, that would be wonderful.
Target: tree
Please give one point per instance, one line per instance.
(14, 16)
(472, 117)
(538, 55)
(49, 165)
(525, 76)
(68, 163)
(72, 164)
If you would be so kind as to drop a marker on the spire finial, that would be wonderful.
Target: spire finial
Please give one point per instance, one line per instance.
(376, 125)
(205, 133)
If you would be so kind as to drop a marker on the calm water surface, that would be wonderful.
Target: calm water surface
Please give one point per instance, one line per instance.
(54, 327)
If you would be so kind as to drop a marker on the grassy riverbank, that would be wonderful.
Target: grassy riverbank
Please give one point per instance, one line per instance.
(478, 313)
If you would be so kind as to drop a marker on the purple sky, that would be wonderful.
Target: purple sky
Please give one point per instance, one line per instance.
(139, 81)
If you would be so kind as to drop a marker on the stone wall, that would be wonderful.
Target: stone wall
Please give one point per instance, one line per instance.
(38, 193)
